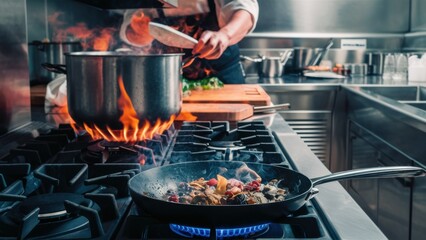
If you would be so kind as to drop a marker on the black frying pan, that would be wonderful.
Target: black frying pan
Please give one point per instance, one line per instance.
(157, 181)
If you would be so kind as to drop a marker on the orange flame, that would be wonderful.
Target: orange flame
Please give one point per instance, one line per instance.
(99, 39)
(186, 116)
(133, 130)
(138, 32)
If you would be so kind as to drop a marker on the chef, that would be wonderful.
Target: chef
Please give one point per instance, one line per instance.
(217, 24)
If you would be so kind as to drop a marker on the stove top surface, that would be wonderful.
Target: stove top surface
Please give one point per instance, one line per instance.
(66, 186)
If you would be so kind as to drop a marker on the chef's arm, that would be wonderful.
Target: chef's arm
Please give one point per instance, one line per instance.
(212, 44)
(237, 28)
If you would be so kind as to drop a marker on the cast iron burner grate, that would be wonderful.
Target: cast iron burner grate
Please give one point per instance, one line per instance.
(63, 201)
(247, 142)
(148, 152)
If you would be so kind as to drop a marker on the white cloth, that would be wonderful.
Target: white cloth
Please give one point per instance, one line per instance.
(56, 92)
(224, 11)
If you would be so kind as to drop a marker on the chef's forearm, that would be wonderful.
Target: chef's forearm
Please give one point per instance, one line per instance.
(238, 26)
(185, 8)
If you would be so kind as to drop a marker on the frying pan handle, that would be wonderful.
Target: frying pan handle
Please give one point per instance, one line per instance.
(283, 106)
(56, 68)
(378, 172)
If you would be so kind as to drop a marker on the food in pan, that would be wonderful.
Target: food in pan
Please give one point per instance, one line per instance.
(222, 191)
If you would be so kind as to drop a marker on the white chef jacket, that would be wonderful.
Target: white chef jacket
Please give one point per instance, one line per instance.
(224, 11)
(226, 8)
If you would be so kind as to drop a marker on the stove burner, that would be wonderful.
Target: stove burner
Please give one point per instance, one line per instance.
(224, 145)
(245, 232)
(102, 145)
(51, 205)
(102, 151)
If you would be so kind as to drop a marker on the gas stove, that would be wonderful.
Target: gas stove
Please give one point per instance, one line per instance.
(66, 186)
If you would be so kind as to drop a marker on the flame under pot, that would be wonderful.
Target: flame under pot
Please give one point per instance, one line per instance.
(152, 83)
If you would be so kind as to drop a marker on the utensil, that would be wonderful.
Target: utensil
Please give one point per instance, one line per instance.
(170, 36)
(153, 83)
(52, 52)
(187, 62)
(318, 57)
(148, 188)
(270, 66)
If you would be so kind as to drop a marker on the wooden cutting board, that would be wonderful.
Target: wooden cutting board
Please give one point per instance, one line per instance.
(215, 112)
(231, 93)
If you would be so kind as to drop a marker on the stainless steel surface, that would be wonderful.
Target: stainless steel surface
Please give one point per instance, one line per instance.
(356, 69)
(336, 208)
(334, 16)
(388, 131)
(378, 172)
(14, 80)
(417, 18)
(310, 114)
(40, 53)
(260, 109)
(415, 41)
(274, 66)
(302, 56)
(418, 230)
(270, 66)
(388, 201)
(151, 81)
(265, 40)
(318, 57)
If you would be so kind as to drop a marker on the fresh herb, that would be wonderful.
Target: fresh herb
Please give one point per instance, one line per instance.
(203, 84)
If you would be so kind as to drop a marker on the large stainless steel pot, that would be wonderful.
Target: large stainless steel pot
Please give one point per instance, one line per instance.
(151, 81)
(51, 52)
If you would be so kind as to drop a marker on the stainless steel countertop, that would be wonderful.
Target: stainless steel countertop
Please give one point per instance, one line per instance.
(348, 220)
(302, 80)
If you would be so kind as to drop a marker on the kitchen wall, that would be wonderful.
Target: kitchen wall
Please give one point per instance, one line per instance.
(416, 38)
(334, 16)
(293, 23)
(14, 86)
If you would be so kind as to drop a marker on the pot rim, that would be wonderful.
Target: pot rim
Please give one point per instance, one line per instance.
(118, 54)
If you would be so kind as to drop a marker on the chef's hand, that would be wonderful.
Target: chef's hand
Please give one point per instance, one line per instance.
(211, 45)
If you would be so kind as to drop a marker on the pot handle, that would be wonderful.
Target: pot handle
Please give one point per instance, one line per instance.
(285, 56)
(56, 68)
(251, 59)
(377, 172)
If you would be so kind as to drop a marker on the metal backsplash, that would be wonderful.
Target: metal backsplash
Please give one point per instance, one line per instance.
(334, 16)
(418, 16)
(14, 83)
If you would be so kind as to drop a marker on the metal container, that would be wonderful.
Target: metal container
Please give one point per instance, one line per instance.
(375, 62)
(271, 66)
(151, 81)
(356, 69)
(52, 52)
(301, 58)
